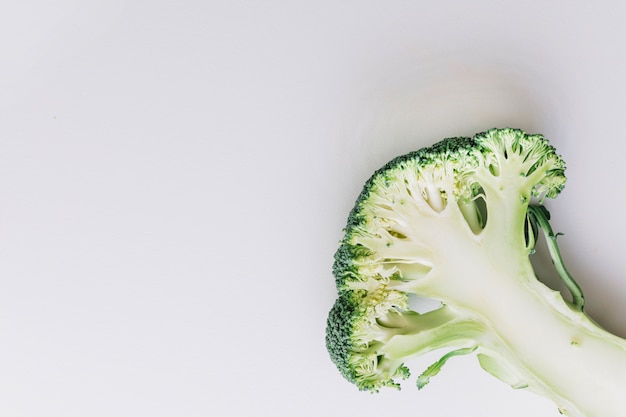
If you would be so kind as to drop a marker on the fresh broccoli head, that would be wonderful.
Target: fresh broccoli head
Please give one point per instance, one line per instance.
(457, 222)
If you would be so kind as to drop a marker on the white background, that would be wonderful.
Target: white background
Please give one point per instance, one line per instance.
(175, 175)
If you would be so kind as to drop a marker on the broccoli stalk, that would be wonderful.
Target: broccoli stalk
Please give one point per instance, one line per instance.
(454, 222)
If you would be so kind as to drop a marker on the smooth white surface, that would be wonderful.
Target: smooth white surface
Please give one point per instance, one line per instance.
(174, 178)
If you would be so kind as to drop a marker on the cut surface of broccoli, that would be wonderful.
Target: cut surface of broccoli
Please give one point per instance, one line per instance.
(458, 222)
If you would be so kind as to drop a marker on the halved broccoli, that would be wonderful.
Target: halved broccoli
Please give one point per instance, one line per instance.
(457, 222)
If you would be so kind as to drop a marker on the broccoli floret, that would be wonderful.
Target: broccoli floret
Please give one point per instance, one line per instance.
(371, 332)
(457, 222)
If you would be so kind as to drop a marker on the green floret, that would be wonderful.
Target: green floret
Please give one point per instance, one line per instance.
(456, 222)
(460, 171)
(354, 335)
(532, 155)
(370, 333)
(425, 164)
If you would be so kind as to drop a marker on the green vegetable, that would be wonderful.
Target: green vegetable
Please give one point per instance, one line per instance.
(457, 222)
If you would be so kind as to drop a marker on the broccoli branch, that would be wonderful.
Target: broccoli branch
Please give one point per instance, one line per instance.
(540, 215)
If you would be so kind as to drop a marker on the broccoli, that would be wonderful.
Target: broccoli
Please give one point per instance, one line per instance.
(457, 222)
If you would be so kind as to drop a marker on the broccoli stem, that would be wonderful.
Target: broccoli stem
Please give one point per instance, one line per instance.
(547, 345)
(541, 216)
(441, 328)
(553, 348)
